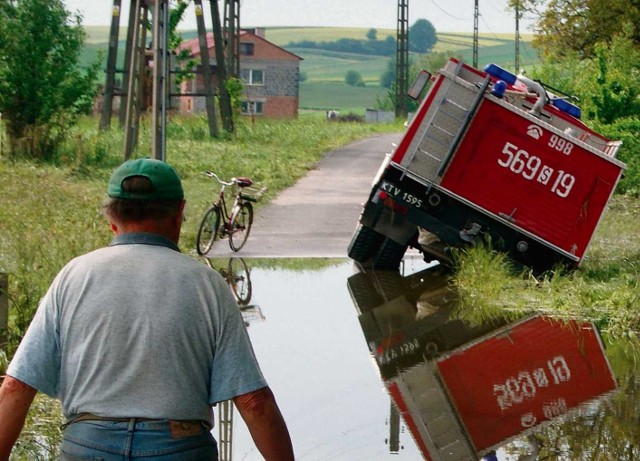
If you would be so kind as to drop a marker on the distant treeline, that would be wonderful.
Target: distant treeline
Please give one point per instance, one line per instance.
(386, 47)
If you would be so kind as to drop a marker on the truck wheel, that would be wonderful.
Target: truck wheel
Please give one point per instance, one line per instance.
(363, 293)
(364, 244)
(389, 255)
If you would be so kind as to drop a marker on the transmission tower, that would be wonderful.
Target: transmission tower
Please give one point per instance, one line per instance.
(476, 14)
(402, 58)
(139, 19)
(232, 35)
(145, 73)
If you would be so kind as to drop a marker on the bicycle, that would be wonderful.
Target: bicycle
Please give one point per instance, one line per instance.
(217, 222)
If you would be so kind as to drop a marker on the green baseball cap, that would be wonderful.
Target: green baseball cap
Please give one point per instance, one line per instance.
(165, 182)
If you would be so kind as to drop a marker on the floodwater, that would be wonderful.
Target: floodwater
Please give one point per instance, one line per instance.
(386, 365)
(345, 349)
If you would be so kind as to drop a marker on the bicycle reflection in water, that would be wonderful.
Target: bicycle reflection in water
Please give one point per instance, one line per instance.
(238, 276)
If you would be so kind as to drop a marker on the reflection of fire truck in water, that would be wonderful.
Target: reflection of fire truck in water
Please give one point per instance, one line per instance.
(466, 388)
(490, 153)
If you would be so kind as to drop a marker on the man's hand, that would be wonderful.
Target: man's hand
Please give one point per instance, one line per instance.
(15, 400)
(260, 412)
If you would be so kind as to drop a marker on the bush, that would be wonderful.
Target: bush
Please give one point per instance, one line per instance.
(41, 89)
(626, 130)
(353, 78)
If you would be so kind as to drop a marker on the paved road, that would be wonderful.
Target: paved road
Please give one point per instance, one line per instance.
(317, 216)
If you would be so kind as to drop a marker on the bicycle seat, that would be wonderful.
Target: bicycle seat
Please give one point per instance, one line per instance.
(244, 182)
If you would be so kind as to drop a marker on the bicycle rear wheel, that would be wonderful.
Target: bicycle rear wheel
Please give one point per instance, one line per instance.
(241, 221)
(239, 280)
(208, 230)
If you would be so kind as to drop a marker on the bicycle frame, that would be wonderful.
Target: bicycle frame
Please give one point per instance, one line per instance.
(221, 203)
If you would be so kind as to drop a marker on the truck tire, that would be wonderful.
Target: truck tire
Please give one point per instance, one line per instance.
(364, 244)
(389, 255)
(363, 293)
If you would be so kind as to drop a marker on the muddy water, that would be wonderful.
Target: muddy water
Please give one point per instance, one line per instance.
(344, 349)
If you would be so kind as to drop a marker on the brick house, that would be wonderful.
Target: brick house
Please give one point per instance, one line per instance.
(270, 75)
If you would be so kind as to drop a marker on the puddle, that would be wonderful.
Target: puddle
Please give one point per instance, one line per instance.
(344, 349)
(310, 346)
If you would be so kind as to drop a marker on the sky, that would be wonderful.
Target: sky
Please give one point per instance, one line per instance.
(445, 15)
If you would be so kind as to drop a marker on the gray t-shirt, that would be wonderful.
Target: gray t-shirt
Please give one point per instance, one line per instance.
(138, 329)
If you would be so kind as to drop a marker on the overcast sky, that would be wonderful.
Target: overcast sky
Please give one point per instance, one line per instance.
(445, 15)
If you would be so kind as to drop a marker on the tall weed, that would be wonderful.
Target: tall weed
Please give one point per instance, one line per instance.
(606, 288)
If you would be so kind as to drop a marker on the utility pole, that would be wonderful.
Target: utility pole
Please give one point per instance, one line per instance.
(109, 86)
(218, 40)
(205, 66)
(476, 14)
(402, 58)
(517, 51)
(160, 78)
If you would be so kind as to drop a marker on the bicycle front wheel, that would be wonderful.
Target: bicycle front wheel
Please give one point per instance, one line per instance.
(208, 230)
(241, 221)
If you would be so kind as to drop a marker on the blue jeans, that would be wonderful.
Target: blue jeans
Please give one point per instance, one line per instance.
(136, 440)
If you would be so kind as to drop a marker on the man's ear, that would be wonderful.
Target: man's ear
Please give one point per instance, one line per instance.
(114, 227)
(180, 214)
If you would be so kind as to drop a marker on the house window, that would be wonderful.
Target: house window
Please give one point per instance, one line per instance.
(252, 107)
(246, 49)
(252, 76)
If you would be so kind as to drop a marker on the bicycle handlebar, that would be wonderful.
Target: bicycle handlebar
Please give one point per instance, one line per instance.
(211, 174)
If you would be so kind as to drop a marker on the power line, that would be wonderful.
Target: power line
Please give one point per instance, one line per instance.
(449, 14)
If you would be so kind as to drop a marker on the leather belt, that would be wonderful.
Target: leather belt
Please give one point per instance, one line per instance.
(92, 417)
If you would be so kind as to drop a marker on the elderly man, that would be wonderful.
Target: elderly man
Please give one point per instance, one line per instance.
(138, 341)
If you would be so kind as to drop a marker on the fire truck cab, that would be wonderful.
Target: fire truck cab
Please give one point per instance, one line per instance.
(491, 154)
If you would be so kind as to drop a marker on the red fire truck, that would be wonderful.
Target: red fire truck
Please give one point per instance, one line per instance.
(494, 154)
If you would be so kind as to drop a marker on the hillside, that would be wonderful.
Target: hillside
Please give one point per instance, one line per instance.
(323, 87)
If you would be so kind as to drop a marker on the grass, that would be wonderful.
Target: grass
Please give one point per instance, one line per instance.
(605, 289)
(52, 213)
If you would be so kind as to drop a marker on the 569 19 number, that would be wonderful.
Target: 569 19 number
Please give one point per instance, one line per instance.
(531, 168)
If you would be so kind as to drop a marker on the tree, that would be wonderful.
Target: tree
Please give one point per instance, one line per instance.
(422, 36)
(372, 34)
(353, 78)
(42, 91)
(388, 77)
(609, 87)
(565, 26)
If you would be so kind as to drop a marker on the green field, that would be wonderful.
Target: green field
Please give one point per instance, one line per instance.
(282, 36)
(338, 96)
(331, 67)
(325, 71)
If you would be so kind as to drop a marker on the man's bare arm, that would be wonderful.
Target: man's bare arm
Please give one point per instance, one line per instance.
(15, 400)
(268, 429)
